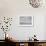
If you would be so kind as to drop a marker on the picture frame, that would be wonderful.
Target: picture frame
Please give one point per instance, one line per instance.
(26, 21)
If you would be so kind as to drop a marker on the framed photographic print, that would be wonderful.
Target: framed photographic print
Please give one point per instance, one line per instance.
(26, 20)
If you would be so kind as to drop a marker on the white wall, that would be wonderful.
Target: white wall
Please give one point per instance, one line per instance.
(45, 29)
(14, 8)
(23, 33)
(18, 7)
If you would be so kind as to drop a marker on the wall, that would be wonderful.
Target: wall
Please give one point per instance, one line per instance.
(45, 29)
(23, 33)
(14, 8)
(18, 7)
